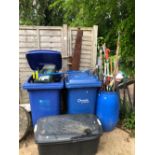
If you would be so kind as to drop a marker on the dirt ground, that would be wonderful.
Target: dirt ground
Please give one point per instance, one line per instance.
(116, 142)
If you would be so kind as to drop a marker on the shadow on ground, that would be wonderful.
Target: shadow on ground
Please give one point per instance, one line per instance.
(116, 142)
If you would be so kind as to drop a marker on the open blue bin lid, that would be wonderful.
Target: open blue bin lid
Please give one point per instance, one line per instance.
(38, 58)
(81, 79)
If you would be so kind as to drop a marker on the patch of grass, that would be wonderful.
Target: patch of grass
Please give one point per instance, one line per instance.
(127, 119)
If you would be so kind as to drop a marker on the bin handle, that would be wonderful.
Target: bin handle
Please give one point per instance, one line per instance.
(99, 122)
(35, 128)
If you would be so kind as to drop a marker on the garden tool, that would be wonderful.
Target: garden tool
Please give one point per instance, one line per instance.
(100, 65)
(45, 75)
(104, 47)
(105, 72)
(106, 53)
(111, 84)
(35, 75)
(117, 59)
(106, 66)
(111, 66)
(117, 54)
(97, 61)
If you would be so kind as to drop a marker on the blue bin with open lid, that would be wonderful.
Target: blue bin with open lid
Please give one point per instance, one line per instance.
(44, 97)
(82, 88)
(38, 58)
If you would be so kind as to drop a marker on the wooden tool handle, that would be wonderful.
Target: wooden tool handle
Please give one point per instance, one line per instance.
(111, 67)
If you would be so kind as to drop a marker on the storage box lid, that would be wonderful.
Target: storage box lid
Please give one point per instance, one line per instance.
(67, 128)
(77, 79)
(38, 58)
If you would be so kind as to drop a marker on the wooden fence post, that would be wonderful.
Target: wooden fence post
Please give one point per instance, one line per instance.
(65, 45)
(38, 38)
(94, 53)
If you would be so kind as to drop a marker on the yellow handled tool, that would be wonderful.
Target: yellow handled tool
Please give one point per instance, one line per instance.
(35, 75)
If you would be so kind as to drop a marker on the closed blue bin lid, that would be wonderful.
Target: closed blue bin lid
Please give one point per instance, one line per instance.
(81, 79)
(38, 58)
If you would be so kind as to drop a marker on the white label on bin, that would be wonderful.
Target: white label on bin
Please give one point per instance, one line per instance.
(83, 101)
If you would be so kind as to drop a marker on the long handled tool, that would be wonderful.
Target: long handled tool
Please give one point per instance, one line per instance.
(111, 67)
(117, 59)
(100, 62)
(105, 73)
(107, 65)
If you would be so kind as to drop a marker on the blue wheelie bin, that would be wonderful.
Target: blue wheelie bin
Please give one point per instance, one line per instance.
(44, 97)
(82, 88)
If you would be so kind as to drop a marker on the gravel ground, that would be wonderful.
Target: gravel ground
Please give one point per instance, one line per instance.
(116, 142)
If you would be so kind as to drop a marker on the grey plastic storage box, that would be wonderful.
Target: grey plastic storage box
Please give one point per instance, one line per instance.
(68, 135)
(82, 88)
(44, 97)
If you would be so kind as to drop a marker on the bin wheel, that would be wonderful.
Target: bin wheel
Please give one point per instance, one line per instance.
(24, 123)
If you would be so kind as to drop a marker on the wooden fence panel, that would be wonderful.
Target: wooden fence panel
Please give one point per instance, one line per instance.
(60, 38)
